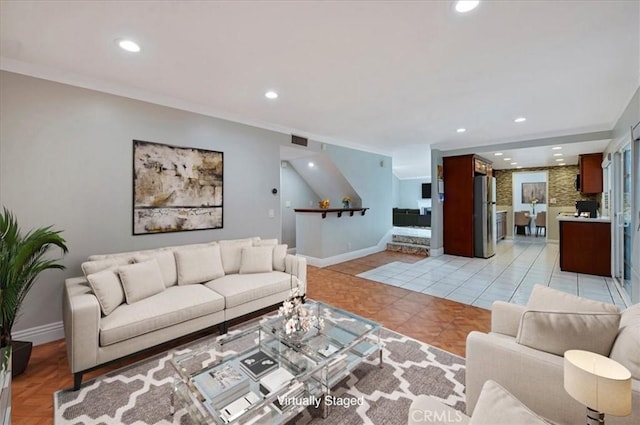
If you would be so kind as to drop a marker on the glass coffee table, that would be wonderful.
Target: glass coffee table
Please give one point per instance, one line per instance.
(260, 375)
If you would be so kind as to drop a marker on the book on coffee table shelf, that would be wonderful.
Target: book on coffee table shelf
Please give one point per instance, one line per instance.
(258, 364)
(275, 380)
(222, 385)
(288, 398)
(238, 407)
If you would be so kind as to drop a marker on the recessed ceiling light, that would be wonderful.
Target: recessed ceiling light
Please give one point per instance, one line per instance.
(128, 45)
(498, 154)
(559, 159)
(311, 165)
(507, 159)
(557, 154)
(514, 163)
(520, 119)
(555, 148)
(562, 163)
(461, 130)
(519, 166)
(464, 6)
(271, 95)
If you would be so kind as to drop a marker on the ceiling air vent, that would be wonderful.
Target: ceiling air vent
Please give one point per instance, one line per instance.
(300, 141)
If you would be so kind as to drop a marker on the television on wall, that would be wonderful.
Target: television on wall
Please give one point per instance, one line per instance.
(426, 190)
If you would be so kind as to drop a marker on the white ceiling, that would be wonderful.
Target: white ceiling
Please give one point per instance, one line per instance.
(386, 76)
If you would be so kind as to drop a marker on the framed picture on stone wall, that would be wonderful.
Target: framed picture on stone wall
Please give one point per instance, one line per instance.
(175, 188)
(534, 191)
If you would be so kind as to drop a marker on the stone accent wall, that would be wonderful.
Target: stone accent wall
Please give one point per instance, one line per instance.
(561, 186)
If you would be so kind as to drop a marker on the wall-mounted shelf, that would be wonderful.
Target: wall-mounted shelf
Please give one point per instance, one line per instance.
(324, 211)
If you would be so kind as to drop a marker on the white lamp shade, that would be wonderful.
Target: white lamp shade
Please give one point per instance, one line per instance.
(598, 382)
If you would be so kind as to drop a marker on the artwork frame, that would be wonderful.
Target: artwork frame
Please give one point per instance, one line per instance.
(176, 188)
(535, 190)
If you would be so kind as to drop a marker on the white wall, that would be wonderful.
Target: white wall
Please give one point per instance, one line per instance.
(370, 176)
(410, 194)
(528, 177)
(294, 193)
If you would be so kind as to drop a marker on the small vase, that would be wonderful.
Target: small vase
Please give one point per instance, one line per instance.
(346, 205)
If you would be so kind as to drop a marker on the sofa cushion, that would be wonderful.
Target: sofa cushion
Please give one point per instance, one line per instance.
(497, 406)
(557, 332)
(279, 255)
(256, 259)
(198, 265)
(141, 280)
(238, 289)
(166, 261)
(626, 348)
(174, 305)
(94, 266)
(107, 288)
(543, 298)
(231, 253)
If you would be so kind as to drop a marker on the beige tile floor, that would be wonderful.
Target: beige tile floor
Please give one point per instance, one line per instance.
(508, 276)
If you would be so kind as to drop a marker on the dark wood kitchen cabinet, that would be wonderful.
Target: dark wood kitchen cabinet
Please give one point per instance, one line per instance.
(591, 173)
(458, 174)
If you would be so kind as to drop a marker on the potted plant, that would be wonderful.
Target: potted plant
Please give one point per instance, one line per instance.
(22, 258)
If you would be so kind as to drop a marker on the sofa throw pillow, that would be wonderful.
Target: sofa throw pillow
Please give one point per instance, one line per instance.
(279, 255)
(626, 348)
(106, 286)
(198, 265)
(256, 259)
(91, 267)
(166, 261)
(543, 298)
(231, 254)
(141, 280)
(497, 406)
(557, 332)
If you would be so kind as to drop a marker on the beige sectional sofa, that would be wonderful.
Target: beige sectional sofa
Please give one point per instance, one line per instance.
(131, 301)
(524, 351)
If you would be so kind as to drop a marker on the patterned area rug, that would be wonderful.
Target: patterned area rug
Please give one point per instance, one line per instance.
(141, 393)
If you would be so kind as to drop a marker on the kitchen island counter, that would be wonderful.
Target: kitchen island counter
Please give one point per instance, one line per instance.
(585, 245)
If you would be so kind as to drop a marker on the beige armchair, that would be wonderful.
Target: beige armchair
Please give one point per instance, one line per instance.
(529, 366)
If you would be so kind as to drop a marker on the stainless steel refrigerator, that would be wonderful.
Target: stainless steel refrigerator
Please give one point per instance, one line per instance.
(484, 216)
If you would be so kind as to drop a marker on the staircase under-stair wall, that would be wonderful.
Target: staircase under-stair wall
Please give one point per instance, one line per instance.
(407, 244)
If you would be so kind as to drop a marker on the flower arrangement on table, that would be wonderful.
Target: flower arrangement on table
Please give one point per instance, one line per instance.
(533, 205)
(346, 202)
(324, 204)
(297, 319)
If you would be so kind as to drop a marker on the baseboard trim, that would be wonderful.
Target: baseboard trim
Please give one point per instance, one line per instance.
(341, 258)
(40, 334)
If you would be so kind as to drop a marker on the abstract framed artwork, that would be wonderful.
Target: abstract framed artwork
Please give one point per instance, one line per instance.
(176, 189)
(537, 191)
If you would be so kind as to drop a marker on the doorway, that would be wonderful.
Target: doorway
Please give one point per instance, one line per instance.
(530, 195)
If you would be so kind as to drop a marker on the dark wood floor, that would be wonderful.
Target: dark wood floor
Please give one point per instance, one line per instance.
(436, 321)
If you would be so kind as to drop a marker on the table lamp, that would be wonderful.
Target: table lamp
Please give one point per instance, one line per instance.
(601, 384)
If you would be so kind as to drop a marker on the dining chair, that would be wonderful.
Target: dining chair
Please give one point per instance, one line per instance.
(522, 220)
(541, 223)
